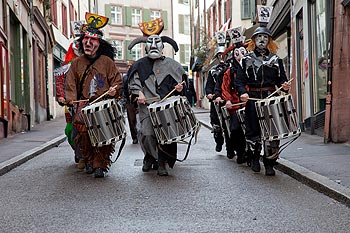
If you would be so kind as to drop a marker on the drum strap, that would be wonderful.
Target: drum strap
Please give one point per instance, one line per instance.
(282, 147)
(188, 146)
(120, 149)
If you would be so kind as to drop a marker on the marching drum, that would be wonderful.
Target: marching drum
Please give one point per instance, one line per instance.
(173, 119)
(241, 118)
(226, 118)
(219, 113)
(104, 122)
(277, 117)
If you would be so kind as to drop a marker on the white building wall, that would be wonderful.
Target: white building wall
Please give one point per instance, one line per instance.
(180, 38)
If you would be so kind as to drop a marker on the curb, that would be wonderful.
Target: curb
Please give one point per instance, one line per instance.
(316, 181)
(24, 157)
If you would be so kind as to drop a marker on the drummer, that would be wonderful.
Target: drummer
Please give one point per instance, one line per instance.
(90, 76)
(231, 98)
(262, 70)
(151, 79)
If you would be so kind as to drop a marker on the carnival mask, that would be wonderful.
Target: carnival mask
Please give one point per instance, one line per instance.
(261, 41)
(90, 45)
(239, 53)
(154, 47)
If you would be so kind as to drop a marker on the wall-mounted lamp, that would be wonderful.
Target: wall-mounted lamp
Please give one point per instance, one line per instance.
(263, 2)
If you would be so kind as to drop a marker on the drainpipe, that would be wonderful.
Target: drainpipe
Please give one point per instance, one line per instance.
(327, 123)
(48, 115)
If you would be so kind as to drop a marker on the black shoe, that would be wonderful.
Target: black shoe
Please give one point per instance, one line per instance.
(269, 171)
(162, 170)
(147, 165)
(255, 165)
(230, 155)
(155, 166)
(218, 147)
(135, 141)
(89, 169)
(100, 172)
(241, 160)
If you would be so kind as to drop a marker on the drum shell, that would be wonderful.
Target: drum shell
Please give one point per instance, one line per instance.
(241, 118)
(104, 122)
(226, 118)
(173, 119)
(277, 118)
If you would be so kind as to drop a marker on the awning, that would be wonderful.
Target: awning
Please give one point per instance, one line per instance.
(280, 17)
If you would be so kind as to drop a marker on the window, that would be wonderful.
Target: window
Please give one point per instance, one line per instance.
(116, 15)
(155, 15)
(136, 17)
(64, 20)
(246, 9)
(118, 44)
(184, 24)
(53, 4)
(136, 52)
(187, 53)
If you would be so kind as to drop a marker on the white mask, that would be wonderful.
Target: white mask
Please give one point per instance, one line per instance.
(154, 47)
(239, 53)
(261, 41)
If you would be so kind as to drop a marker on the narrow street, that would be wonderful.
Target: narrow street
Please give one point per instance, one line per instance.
(205, 193)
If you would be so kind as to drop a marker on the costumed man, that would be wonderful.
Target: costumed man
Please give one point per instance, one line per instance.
(151, 79)
(131, 108)
(230, 95)
(262, 70)
(214, 76)
(60, 80)
(91, 75)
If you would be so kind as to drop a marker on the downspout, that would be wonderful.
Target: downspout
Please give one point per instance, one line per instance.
(327, 123)
(48, 115)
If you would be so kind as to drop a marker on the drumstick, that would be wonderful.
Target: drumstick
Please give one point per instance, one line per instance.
(237, 104)
(102, 95)
(254, 99)
(278, 89)
(152, 98)
(171, 92)
(77, 101)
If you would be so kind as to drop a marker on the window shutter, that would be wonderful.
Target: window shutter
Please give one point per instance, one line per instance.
(146, 15)
(182, 54)
(127, 16)
(108, 12)
(181, 24)
(165, 19)
(128, 55)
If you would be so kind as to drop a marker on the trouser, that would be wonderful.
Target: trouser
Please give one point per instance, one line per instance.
(215, 122)
(235, 143)
(131, 111)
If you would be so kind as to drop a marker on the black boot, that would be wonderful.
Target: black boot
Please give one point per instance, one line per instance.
(162, 169)
(100, 172)
(269, 163)
(255, 164)
(269, 171)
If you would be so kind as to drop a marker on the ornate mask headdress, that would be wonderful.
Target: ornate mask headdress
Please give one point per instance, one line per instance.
(154, 42)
